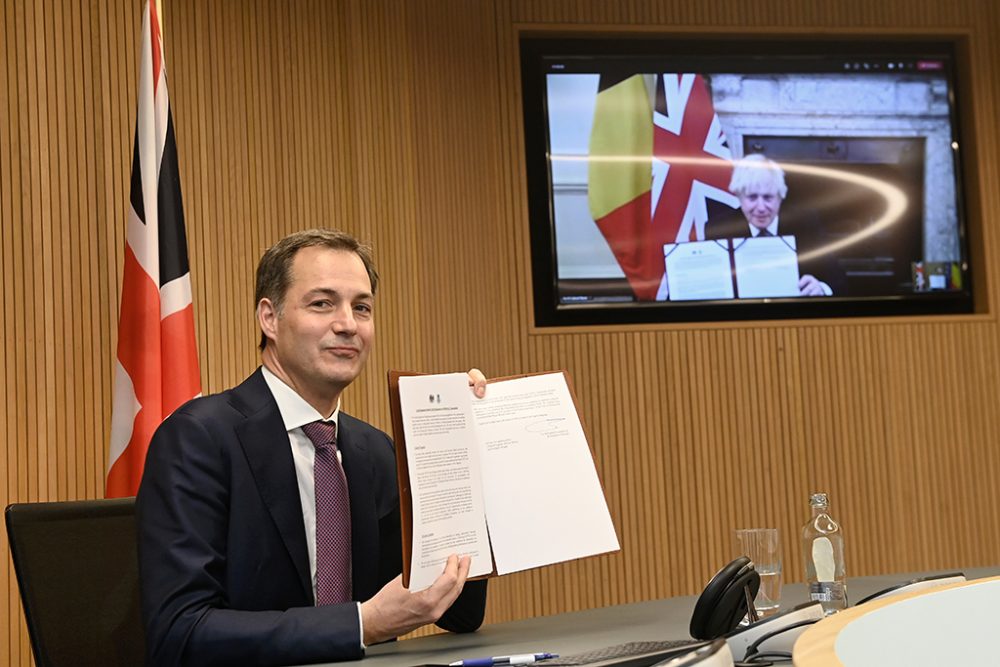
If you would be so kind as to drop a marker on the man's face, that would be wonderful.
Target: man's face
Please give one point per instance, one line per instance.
(325, 329)
(760, 204)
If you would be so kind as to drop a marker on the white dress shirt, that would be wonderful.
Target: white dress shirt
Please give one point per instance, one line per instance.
(772, 228)
(296, 413)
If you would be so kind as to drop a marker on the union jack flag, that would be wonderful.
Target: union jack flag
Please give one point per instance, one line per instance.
(156, 369)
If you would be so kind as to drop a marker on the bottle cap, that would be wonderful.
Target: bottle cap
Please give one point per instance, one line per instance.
(819, 500)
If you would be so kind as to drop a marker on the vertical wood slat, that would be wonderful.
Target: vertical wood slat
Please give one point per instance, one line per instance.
(403, 125)
(9, 603)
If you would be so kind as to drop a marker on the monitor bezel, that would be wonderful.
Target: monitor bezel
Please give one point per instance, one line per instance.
(546, 310)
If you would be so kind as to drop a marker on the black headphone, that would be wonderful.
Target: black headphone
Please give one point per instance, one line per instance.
(725, 600)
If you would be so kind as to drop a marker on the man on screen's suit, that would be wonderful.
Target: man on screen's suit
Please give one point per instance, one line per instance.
(232, 541)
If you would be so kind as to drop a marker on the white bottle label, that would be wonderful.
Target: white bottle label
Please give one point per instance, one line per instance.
(823, 559)
(831, 593)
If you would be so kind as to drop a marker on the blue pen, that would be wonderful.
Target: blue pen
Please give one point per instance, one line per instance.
(505, 660)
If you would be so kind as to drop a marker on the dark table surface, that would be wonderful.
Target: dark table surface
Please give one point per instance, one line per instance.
(580, 631)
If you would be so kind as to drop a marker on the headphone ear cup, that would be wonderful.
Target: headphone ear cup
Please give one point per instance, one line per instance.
(732, 606)
(723, 600)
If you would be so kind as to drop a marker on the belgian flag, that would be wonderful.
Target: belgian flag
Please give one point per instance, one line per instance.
(619, 179)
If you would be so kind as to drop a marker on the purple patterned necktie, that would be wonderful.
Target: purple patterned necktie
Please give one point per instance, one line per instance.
(333, 517)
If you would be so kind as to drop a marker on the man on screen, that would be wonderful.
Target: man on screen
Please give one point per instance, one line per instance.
(759, 183)
(268, 519)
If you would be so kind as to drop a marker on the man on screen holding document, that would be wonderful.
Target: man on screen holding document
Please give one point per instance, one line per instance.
(268, 519)
(760, 185)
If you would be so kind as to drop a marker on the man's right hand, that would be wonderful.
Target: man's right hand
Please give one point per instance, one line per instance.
(395, 611)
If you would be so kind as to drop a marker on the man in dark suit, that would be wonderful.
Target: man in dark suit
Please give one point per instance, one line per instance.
(242, 558)
(759, 183)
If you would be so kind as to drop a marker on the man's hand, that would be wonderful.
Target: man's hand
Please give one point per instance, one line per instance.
(395, 611)
(810, 286)
(478, 382)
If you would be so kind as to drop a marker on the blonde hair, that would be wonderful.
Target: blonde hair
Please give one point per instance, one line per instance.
(754, 171)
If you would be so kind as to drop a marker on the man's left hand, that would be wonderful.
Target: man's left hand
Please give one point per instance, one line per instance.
(810, 286)
(478, 382)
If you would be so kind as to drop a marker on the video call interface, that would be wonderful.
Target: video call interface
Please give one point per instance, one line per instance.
(714, 178)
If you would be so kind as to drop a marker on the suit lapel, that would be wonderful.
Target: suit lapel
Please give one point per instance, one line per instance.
(268, 451)
(364, 517)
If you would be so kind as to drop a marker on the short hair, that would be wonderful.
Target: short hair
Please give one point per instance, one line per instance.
(757, 170)
(275, 267)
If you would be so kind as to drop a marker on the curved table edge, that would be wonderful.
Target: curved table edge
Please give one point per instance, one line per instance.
(816, 647)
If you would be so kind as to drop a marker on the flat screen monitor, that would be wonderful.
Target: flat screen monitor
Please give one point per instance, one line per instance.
(683, 179)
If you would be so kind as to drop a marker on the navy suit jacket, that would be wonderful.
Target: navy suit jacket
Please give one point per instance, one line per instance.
(222, 548)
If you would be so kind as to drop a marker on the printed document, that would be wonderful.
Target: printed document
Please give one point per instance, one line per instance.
(766, 267)
(512, 470)
(698, 270)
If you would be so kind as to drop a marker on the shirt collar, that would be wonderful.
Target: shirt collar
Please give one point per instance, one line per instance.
(773, 228)
(295, 411)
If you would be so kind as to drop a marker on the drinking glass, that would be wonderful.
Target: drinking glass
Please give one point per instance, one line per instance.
(763, 547)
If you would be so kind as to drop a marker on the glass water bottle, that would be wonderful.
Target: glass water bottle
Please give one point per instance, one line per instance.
(823, 550)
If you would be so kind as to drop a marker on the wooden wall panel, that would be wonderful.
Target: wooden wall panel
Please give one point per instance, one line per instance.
(881, 414)
(401, 122)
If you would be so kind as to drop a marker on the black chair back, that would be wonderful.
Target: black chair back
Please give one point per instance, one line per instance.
(78, 572)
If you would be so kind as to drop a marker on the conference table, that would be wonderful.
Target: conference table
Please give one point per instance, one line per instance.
(952, 624)
(581, 631)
